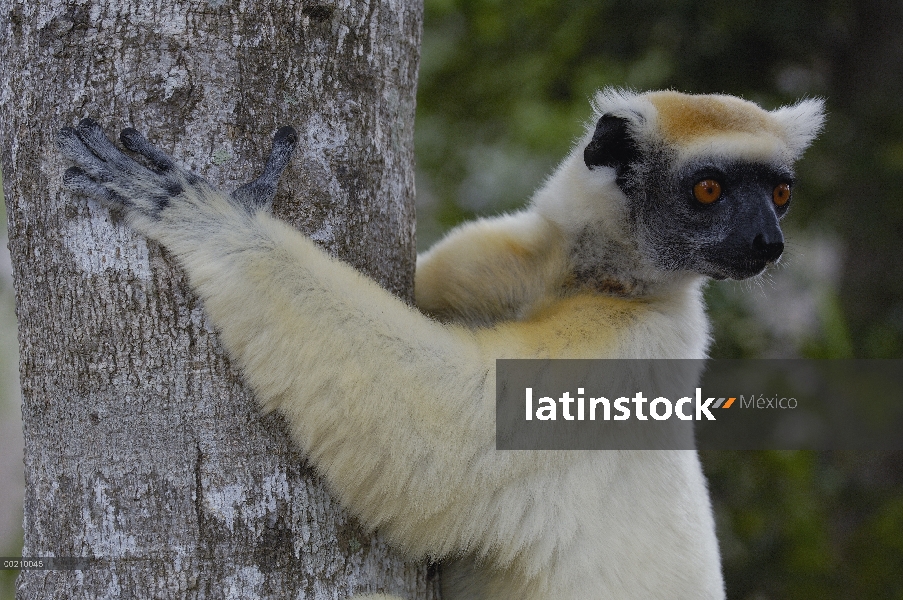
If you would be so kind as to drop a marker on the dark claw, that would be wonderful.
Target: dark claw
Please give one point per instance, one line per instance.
(260, 192)
(73, 173)
(286, 134)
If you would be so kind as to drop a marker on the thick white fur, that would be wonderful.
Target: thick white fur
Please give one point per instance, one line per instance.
(396, 409)
(397, 412)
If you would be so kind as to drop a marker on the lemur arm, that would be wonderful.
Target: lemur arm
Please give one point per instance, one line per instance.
(349, 365)
(492, 270)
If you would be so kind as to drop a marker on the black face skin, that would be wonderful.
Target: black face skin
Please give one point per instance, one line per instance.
(735, 237)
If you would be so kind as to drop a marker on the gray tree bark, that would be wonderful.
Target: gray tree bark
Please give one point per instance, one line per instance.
(143, 447)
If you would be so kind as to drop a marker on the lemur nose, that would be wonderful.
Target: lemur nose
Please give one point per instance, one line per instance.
(769, 250)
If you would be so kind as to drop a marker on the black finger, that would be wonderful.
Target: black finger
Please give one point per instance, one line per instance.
(76, 151)
(284, 143)
(80, 182)
(136, 142)
(261, 191)
(91, 134)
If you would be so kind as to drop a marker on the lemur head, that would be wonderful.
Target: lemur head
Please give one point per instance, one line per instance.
(705, 179)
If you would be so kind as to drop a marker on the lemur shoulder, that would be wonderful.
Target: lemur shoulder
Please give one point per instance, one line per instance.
(608, 260)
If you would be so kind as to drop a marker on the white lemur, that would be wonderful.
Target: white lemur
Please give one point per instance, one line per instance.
(396, 407)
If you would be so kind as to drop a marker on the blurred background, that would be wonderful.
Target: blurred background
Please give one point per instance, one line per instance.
(504, 90)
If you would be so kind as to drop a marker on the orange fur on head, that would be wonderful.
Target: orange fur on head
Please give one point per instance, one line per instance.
(684, 118)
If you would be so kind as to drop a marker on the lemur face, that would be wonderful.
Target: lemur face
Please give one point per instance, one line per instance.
(719, 218)
(707, 179)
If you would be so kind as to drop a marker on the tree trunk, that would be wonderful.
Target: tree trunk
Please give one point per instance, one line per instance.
(142, 446)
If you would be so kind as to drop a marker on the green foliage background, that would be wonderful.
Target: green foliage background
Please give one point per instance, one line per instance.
(504, 90)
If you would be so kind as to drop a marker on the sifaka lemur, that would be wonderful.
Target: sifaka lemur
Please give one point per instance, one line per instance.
(395, 406)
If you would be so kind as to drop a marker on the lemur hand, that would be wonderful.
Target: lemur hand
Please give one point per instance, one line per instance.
(103, 171)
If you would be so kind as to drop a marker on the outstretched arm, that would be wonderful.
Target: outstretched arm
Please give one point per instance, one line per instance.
(395, 409)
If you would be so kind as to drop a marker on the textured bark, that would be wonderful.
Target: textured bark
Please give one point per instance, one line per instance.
(143, 447)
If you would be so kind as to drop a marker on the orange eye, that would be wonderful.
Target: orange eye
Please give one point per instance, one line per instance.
(781, 194)
(707, 191)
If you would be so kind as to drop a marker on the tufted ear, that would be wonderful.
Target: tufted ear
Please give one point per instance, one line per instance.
(802, 122)
(612, 145)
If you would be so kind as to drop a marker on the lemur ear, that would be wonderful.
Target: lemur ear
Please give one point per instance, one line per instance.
(802, 122)
(612, 145)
